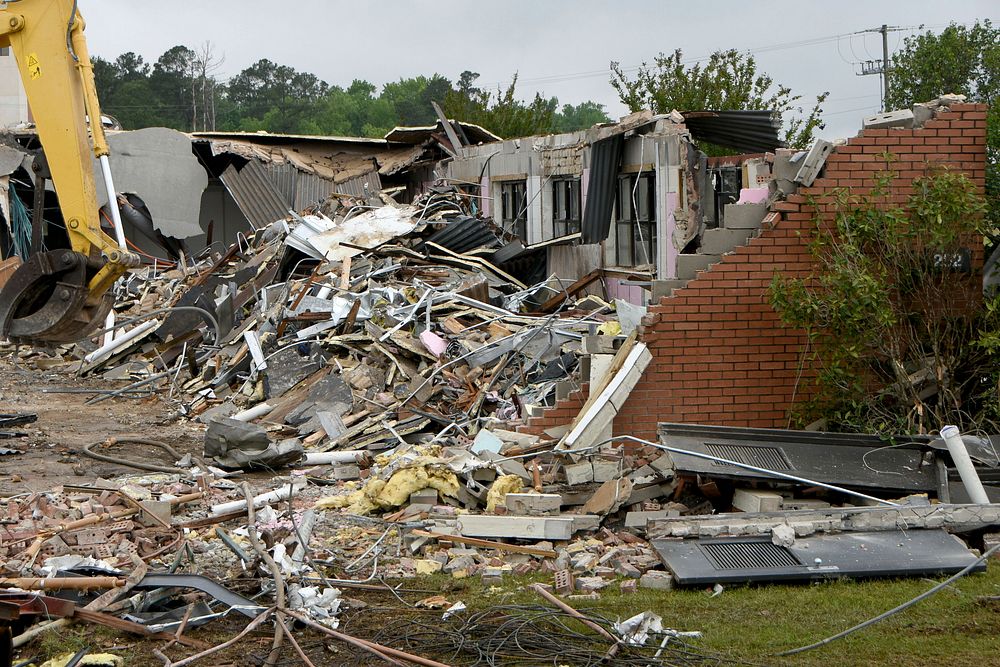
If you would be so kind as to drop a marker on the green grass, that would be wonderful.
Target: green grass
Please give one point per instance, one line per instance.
(752, 624)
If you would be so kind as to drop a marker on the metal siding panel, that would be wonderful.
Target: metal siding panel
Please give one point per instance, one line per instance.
(605, 158)
(311, 189)
(254, 193)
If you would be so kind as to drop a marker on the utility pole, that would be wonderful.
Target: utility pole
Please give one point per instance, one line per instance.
(885, 65)
(880, 66)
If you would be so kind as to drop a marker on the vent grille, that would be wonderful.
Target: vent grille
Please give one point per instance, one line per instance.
(771, 458)
(748, 555)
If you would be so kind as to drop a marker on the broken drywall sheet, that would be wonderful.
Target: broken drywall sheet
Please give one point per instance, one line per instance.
(157, 164)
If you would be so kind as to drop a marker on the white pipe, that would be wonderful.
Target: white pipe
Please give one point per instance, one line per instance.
(116, 216)
(253, 344)
(258, 410)
(282, 493)
(321, 458)
(967, 471)
(109, 324)
(108, 348)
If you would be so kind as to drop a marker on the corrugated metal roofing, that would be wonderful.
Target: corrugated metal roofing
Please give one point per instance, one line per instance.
(745, 131)
(255, 194)
(605, 158)
(464, 234)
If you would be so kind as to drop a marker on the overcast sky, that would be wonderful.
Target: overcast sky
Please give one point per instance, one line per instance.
(560, 48)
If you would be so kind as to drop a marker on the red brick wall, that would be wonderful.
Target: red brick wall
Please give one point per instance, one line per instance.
(720, 354)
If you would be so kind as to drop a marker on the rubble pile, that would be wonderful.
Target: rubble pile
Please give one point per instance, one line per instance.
(369, 369)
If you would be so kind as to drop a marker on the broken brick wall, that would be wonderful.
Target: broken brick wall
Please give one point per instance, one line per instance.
(720, 353)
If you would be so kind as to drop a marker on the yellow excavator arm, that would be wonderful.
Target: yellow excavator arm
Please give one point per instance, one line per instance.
(61, 295)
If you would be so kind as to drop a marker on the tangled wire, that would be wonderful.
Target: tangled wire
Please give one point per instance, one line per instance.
(532, 635)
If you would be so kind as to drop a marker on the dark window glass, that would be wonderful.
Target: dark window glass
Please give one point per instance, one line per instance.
(514, 208)
(635, 220)
(565, 206)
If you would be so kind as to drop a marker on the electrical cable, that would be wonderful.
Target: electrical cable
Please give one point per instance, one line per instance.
(138, 465)
(738, 464)
(895, 610)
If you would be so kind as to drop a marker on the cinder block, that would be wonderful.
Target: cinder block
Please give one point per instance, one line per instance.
(600, 344)
(689, 265)
(902, 118)
(719, 241)
(657, 580)
(751, 500)
(346, 472)
(813, 162)
(579, 473)
(665, 288)
(424, 496)
(533, 503)
(605, 470)
(744, 216)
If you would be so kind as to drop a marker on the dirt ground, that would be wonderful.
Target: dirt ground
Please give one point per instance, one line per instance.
(50, 450)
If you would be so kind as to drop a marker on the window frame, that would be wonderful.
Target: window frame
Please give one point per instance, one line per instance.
(635, 234)
(567, 206)
(514, 207)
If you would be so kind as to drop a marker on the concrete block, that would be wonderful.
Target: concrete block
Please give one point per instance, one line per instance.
(751, 500)
(990, 540)
(531, 528)
(533, 504)
(424, 496)
(605, 470)
(637, 520)
(744, 216)
(346, 472)
(579, 473)
(719, 241)
(813, 162)
(902, 118)
(689, 265)
(657, 580)
(921, 114)
(650, 492)
(584, 522)
(665, 288)
(600, 344)
(784, 166)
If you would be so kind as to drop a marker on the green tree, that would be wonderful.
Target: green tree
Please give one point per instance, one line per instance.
(411, 98)
(898, 334)
(274, 97)
(729, 81)
(500, 113)
(959, 59)
(170, 85)
(579, 117)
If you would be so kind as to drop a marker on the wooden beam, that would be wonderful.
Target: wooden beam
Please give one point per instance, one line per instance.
(486, 544)
(575, 287)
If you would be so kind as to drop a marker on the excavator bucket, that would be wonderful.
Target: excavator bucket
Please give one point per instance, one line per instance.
(46, 300)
